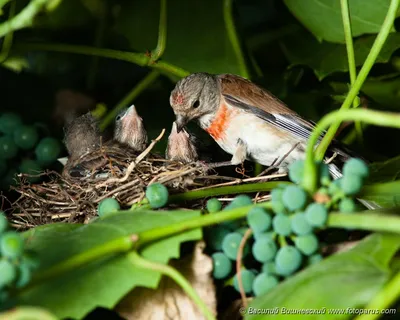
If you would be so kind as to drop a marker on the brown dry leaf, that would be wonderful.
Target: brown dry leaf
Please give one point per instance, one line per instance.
(169, 301)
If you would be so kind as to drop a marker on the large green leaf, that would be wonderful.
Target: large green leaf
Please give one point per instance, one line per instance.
(384, 171)
(326, 58)
(102, 283)
(386, 194)
(324, 18)
(196, 37)
(345, 280)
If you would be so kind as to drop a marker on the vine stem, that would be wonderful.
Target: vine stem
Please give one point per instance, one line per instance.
(369, 62)
(385, 119)
(8, 39)
(136, 91)
(162, 33)
(138, 261)
(384, 299)
(138, 58)
(348, 35)
(234, 39)
(22, 19)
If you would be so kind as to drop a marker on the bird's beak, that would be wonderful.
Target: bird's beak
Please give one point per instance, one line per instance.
(181, 121)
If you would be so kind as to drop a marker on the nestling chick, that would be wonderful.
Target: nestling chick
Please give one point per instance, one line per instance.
(81, 135)
(181, 146)
(129, 129)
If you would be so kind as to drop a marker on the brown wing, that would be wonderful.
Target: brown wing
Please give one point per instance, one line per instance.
(244, 94)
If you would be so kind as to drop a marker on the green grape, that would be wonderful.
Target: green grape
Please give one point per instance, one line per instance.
(259, 220)
(30, 167)
(231, 243)
(47, 150)
(288, 260)
(347, 205)
(282, 225)
(278, 207)
(316, 214)
(157, 194)
(26, 137)
(8, 148)
(294, 198)
(242, 230)
(107, 206)
(247, 281)
(300, 225)
(9, 121)
(315, 258)
(3, 222)
(8, 272)
(215, 236)
(222, 266)
(307, 244)
(324, 174)
(24, 276)
(335, 187)
(270, 234)
(3, 167)
(351, 184)
(355, 166)
(296, 171)
(264, 283)
(269, 267)
(276, 195)
(264, 249)
(238, 202)
(11, 244)
(213, 205)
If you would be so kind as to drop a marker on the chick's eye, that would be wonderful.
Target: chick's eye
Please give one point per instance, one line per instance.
(196, 104)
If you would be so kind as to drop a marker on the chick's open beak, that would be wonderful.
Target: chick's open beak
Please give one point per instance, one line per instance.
(181, 122)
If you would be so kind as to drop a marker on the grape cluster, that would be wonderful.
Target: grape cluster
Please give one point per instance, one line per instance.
(16, 264)
(35, 150)
(283, 236)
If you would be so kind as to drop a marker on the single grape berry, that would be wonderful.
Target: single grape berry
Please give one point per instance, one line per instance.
(270, 234)
(276, 200)
(296, 171)
(108, 206)
(264, 283)
(351, 184)
(26, 137)
(355, 166)
(294, 198)
(269, 267)
(9, 121)
(324, 174)
(30, 167)
(247, 278)
(222, 266)
(316, 214)
(11, 244)
(278, 207)
(215, 236)
(157, 194)
(287, 260)
(347, 205)
(264, 249)
(259, 220)
(231, 243)
(8, 272)
(8, 148)
(239, 201)
(47, 150)
(307, 244)
(282, 225)
(300, 225)
(335, 187)
(24, 275)
(3, 222)
(213, 205)
(315, 258)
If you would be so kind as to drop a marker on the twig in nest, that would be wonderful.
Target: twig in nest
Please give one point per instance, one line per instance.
(331, 158)
(239, 257)
(134, 163)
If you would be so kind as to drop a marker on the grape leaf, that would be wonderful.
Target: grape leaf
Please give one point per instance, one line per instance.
(326, 58)
(385, 194)
(323, 18)
(345, 280)
(384, 171)
(101, 283)
(196, 36)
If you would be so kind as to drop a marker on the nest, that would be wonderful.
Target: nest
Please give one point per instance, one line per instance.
(121, 175)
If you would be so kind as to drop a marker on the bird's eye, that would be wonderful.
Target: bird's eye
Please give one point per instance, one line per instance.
(118, 118)
(196, 104)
